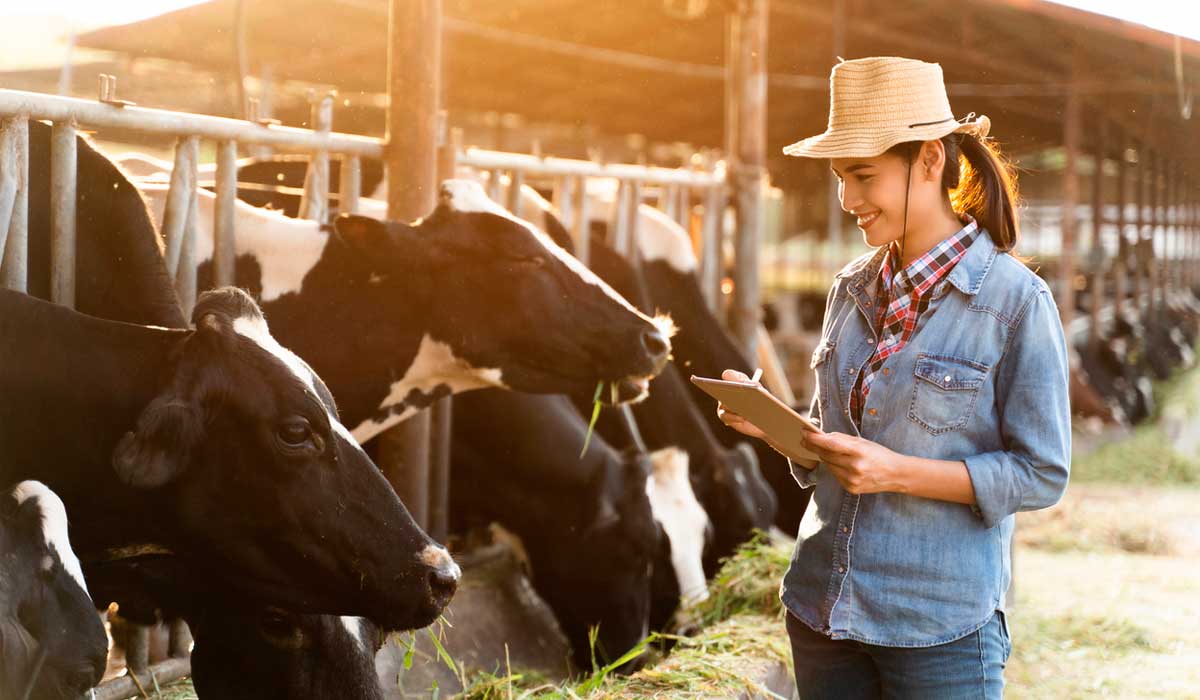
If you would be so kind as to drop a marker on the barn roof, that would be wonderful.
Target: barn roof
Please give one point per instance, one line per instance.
(649, 67)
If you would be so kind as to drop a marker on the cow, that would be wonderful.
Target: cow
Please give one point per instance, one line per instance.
(465, 298)
(726, 480)
(215, 442)
(119, 273)
(52, 643)
(701, 346)
(586, 518)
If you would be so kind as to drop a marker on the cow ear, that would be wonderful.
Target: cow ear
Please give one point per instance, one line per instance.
(159, 449)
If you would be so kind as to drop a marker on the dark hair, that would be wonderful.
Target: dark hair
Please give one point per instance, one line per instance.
(983, 185)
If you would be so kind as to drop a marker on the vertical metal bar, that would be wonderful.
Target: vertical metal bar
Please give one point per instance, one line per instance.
(1151, 253)
(516, 179)
(1139, 196)
(8, 179)
(619, 222)
(560, 199)
(1097, 257)
(14, 268)
(410, 159)
(224, 241)
(582, 226)
(683, 209)
(185, 276)
(748, 168)
(634, 252)
(1120, 267)
(179, 193)
(710, 247)
(62, 214)
(349, 184)
(315, 201)
(493, 187)
(1071, 139)
(668, 200)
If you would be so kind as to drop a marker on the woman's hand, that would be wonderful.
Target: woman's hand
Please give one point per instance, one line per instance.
(732, 419)
(860, 465)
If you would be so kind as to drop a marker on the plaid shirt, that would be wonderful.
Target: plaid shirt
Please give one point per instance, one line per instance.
(907, 296)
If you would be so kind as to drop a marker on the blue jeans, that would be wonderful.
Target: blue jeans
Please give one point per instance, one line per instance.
(843, 669)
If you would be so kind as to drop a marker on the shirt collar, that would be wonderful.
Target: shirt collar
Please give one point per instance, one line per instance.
(924, 272)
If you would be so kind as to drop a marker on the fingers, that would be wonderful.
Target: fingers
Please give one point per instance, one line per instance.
(732, 375)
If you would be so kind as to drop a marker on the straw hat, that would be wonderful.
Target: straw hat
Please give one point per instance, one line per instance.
(876, 103)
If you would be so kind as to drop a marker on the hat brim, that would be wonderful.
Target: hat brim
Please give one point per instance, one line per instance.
(871, 141)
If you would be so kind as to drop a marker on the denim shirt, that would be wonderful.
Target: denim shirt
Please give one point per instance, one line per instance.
(983, 380)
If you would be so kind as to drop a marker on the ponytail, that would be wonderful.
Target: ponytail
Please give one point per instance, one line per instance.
(984, 186)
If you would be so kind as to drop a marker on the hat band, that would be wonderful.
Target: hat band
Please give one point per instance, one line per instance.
(940, 121)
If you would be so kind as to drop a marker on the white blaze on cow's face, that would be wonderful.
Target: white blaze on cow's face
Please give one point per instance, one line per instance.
(54, 526)
(683, 519)
(435, 365)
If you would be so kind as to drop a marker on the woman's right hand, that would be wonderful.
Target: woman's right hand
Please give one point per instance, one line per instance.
(732, 419)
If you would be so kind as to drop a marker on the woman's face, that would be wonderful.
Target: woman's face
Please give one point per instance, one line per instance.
(872, 190)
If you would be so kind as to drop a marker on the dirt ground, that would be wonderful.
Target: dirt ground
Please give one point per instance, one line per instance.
(1108, 595)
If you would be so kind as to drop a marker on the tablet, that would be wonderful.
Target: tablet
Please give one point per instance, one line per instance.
(754, 403)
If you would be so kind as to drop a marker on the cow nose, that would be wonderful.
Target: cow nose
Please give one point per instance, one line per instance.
(443, 582)
(655, 343)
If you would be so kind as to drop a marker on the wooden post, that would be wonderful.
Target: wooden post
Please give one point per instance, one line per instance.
(748, 160)
(1071, 138)
(1120, 269)
(1097, 257)
(410, 161)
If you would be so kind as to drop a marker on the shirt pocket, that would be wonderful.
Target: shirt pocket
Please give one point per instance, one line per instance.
(944, 392)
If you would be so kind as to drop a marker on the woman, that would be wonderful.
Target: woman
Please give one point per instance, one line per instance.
(941, 388)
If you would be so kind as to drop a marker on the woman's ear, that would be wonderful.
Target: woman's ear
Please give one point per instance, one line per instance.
(932, 159)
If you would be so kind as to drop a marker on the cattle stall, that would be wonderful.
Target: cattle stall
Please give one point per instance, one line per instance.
(68, 116)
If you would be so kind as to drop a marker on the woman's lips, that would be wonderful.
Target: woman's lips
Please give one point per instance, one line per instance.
(865, 221)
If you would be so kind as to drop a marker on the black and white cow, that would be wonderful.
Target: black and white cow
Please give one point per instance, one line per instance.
(468, 297)
(217, 443)
(52, 644)
(119, 272)
(587, 522)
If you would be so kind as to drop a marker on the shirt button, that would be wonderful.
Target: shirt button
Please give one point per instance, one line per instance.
(947, 379)
(871, 411)
(886, 371)
(845, 529)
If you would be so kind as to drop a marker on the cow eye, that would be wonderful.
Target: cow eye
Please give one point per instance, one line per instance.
(295, 433)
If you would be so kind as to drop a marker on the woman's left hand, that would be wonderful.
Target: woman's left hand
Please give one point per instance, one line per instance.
(859, 465)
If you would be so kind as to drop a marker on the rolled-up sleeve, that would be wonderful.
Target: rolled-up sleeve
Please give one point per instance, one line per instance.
(1035, 419)
(807, 478)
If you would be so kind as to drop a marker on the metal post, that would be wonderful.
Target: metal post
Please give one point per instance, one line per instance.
(633, 251)
(619, 221)
(668, 200)
(1120, 268)
(1097, 257)
(1139, 195)
(185, 277)
(493, 186)
(583, 225)
(224, 243)
(710, 247)
(183, 181)
(410, 160)
(62, 213)
(748, 165)
(516, 179)
(1071, 138)
(561, 200)
(1155, 222)
(684, 208)
(350, 184)
(14, 207)
(314, 203)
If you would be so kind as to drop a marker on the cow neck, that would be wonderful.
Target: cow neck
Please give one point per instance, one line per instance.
(83, 383)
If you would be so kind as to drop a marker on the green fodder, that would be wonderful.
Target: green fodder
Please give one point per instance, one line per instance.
(741, 636)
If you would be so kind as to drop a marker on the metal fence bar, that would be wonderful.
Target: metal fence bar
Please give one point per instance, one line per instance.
(583, 227)
(183, 181)
(515, 180)
(8, 179)
(683, 208)
(634, 218)
(549, 167)
(562, 202)
(164, 122)
(185, 276)
(710, 248)
(619, 221)
(493, 188)
(350, 184)
(668, 201)
(14, 268)
(315, 202)
(224, 241)
(62, 213)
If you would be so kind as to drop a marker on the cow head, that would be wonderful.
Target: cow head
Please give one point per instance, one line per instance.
(512, 305)
(52, 644)
(743, 498)
(245, 451)
(251, 653)
(598, 572)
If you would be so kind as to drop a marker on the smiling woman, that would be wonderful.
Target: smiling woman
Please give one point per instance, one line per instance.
(941, 380)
